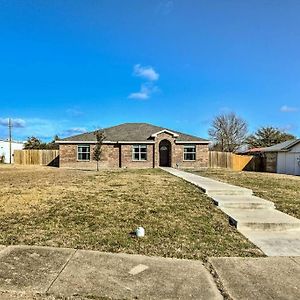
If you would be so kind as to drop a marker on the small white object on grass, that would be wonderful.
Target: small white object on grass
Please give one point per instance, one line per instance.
(140, 232)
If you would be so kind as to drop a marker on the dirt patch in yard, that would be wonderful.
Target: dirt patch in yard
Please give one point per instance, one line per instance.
(98, 210)
(283, 190)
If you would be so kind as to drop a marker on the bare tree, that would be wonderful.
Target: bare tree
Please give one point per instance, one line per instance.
(100, 137)
(228, 131)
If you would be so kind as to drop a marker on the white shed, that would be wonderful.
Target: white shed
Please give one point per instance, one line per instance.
(4, 149)
(288, 157)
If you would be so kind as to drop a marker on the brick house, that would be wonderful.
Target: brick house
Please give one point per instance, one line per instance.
(135, 145)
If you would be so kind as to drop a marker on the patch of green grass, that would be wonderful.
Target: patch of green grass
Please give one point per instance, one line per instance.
(283, 190)
(99, 210)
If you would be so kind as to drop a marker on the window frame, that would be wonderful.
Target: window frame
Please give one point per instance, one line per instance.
(80, 152)
(139, 152)
(189, 146)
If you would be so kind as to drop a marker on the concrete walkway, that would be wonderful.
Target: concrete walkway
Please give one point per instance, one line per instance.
(28, 272)
(274, 232)
(45, 273)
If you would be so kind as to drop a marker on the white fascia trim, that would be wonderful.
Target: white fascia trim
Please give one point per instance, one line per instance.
(136, 142)
(164, 130)
(192, 142)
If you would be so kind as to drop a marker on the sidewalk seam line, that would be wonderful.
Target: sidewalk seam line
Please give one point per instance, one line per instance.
(62, 269)
(217, 280)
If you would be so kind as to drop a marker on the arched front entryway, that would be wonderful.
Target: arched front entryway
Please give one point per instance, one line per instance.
(165, 153)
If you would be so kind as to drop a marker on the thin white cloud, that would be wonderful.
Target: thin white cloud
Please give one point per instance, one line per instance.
(17, 123)
(145, 92)
(165, 7)
(289, 127)
(147, 88)
(286, 108)
(44, 129)
(139, 96)
(73, 131)
(74, 112)
(146, 72)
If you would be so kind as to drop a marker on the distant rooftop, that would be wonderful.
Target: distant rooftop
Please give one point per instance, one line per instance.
(284, 146)
(16, 142)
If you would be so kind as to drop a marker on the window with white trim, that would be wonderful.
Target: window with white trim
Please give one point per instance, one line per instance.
(139, 152)
(189, 152)
(83, 152)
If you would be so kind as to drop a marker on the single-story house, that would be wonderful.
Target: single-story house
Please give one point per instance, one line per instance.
(283, 158)
(135, 145)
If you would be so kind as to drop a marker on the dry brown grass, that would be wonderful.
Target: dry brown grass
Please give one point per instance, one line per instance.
(90, 210)
(283, 190)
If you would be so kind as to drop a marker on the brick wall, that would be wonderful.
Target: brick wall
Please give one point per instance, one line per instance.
(115, 156)
(68, 157)
(177, 153)
(201, 157)
(126, 158)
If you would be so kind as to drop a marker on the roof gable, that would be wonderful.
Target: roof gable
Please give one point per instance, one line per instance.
(165, 131)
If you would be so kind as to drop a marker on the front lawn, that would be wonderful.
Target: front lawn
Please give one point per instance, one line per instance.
(90, 210)
(283, 190)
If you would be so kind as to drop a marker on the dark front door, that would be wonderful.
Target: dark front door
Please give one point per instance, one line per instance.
(164, 153)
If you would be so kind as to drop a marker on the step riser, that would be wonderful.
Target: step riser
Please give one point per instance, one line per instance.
(264, 226)
(228, 193)
(245, 205)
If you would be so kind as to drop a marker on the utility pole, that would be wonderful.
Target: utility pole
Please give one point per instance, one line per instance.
(9, 138)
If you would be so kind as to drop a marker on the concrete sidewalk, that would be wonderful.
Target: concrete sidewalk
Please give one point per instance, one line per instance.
(274, 232)
(28, 272)
(45, 273)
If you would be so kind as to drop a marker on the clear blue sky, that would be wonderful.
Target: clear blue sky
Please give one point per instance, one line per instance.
(74, 65)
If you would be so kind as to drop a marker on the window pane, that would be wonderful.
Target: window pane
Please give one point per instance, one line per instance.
(189, 156)
(135, 156)
(139, 152)
(83, 152)
(136, 150)
(143, 156)
(189, 149)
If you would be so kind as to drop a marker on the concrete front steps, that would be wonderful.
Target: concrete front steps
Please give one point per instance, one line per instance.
(241, 201)
(275, 242)
(274, 232)
(261, 219)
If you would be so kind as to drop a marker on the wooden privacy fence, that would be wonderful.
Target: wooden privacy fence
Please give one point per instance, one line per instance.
(37, 157)
(235, 162)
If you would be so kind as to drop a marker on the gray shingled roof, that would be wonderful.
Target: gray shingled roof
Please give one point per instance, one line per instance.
(285, 146)
(130, 132)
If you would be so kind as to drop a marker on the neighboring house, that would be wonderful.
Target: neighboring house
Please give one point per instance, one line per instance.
(251, 151)
(4, 149)
(135, 145)
(283, 158)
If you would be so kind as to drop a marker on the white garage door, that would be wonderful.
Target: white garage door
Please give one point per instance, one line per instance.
(288, 163)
